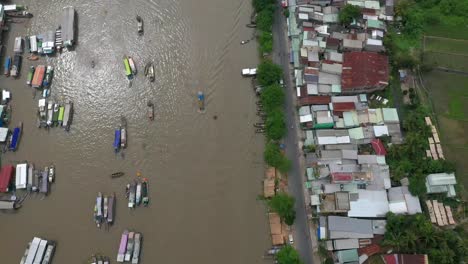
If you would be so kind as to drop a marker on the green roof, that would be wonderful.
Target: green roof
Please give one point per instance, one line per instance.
(310, 174)
(390, 115)
(375, 24)
(350, 255)
(350, 119)
(323, 125)
(336, 88)
(356, 133)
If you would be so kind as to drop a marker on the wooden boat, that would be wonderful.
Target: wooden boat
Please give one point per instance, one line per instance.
(50, 112)
(48, 76)
(117, 174)
(106, 204)
(123, 133)
(149, 71)
(38, 76)
(144, 193)
(136, 249)
(130, 244)
(7, 66)
(15, 137)
(68, 115)
(111, 209)
(138, 194)
(140, 25)
(37, 180)
(30, 175)
(16, 67)
(33, 57)
(30, 75)
(150, 110)
(117, 140)
(122, 246)
(132, 65)
(51, 173)
(44, 186)
(55, 114)
(131, 196)
(98, 214)
(20, 14)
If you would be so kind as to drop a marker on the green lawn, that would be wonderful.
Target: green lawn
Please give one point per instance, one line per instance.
(458, 46)
(447, 30)
(455, 62)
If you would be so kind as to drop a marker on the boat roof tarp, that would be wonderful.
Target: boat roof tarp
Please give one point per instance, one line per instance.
(3, 134)
(5, 177)
(117, 138)
(15, 138)
(38, 76)
(7, 205)
(128, 70)
(68, 26)
(21, 176)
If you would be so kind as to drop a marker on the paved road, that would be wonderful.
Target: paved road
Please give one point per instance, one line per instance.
(281, 56)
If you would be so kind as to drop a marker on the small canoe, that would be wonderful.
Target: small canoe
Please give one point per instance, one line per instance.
(132, 65)
(117, 174)
(140, 25)
(149, 71)
(117, 140)
(30, 75)
(7, 66)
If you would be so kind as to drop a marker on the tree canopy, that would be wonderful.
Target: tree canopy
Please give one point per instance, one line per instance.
(283, 204)
(260, 5)
(268, 73)
(275, 125)
(415, 234)
(349, 13)
(266, 42)
(288, 255)
(272, 97)
(275, 158)
(265, 20)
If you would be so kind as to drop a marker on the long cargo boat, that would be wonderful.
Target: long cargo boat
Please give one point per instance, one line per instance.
(122, 247)
(7, 66)
(111, 210)
(38, 77)
(144, 193)
(130, 244)
(68, 115)
(44, 187)
(132, 194)
(136, 249)
(15, 138)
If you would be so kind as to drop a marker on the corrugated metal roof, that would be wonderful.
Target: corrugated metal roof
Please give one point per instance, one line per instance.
(370, 204)
(351, 120)
(356, 133)
(312, 89)
(378, 147)
(324, 89)
(390, 115)
(334, 68)
(441, 179)
(339, 244)
(372, 4)
(364, 70)
(328, 78)
(352, 43)
(380, 131)
(304, 110)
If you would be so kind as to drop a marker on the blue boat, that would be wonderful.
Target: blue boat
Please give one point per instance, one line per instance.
(7, 66)
(15, 137)
(117, 140)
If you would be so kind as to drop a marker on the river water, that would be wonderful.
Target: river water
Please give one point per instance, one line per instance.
(204, 173)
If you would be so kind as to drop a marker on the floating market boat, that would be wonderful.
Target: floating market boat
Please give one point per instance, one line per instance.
(30, 75)
(38, 76)
(111, 209)
(15, 69)
(149, 71)
(150, 110)
(117, 174)
(50, 112)
(132, 65)
(144, 193)
(15, 137)
(55, 114)
(7, 66)
(128, 70)
(130, 244)
(117, 140)
(122, 246)
(51, 173)
(106, 204)
(44, 186)
(123, 132)
(68, 116)
(48, 76)
(131, 196)
(98, 214)
(136, 249)
(60, 116)
(138, 194)
(140, 25)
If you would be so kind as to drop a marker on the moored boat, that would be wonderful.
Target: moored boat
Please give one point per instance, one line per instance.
(50, 112)
(30, 75)
(130, 244)
(138, 194)
(51, 173)
(44, 186)
(140, 25)
(117, 174)
(144, 192)
(122, 246)
(60, 116)
(110, 210)
(149, 71)
(106, 207)
(123, 133)
(49, 252)
(98, 214)
(136, 248)
(117, 140)
(16, 67)
(132, 65)
(131, 196)
(128, 70)
(48, 76)
(68, 116)
(7, 66)
(55, 114)
(15, 137)
(38, 76)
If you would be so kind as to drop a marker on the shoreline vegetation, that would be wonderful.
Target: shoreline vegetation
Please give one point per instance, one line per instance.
(269, 76)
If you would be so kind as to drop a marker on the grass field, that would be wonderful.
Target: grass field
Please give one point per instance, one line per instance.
(455, 62)
(446, 53)
(450, 31)
(448, 45)
(449, 94)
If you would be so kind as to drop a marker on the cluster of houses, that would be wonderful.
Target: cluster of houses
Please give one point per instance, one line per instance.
(336, 68)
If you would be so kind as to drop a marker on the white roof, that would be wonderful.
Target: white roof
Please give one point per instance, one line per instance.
(312, 88)
(3, 134)
(6, 94)
(303, 16)
(21, 176)
(376, 42)
(381, 131)
(369, 204)
(305, 118)
(42, 102)
(333, 140)
(298, 91)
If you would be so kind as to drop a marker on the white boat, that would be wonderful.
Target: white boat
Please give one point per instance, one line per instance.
(42, 108)
(49, 253)
(21, 176)
(138, 194)
(106, 200)
(50, 112)
(130, 244)
(136, 249)
(51, 173)
(132, 65)
(32, 250)
(40, 252)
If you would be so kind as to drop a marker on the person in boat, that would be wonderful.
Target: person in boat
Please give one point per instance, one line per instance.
(244, 42)
(92, 64)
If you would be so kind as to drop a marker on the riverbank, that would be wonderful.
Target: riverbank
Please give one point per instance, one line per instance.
(203, 184)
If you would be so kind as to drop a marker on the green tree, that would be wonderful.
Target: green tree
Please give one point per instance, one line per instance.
(266, 42)
(275, 158)
(275, 126)
(272, 97)
(268, 73)
(265, 20)
(288, 255)
(349, 13)
(260, 5)
(283, 204)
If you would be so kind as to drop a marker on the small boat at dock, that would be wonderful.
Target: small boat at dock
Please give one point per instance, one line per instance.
(55, 114)
(128, 70)
(136, 249)
(30, 75)
(49, 252)
(111, 210)
(60, 116)
(7, 66)
(98, 214)
(48, 76)
(140, 25)
(132, 65)
(44, 186)
(144, 192)
(51, 173)
(20, 14)
(138, 194)
(30, 176)
(16, 67)
(50, 112)
(149, 71)
(68, 115)
(106, 204)
(130, 245)
(122, 247)
(15, 137)
(123, 132)
(117, 174)
(131, 196)
(117, 140)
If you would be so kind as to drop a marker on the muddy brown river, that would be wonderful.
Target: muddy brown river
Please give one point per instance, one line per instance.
(204, 173)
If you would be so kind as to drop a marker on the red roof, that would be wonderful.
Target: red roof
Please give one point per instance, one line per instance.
(390, 259)
(364, 70)
(308, 29)
(369, 250)
(345, 106)
(5, 176)
(333, 42)
(405, 259)
(311, 70)
(378, 147)
(341, 176)
(311, 100)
